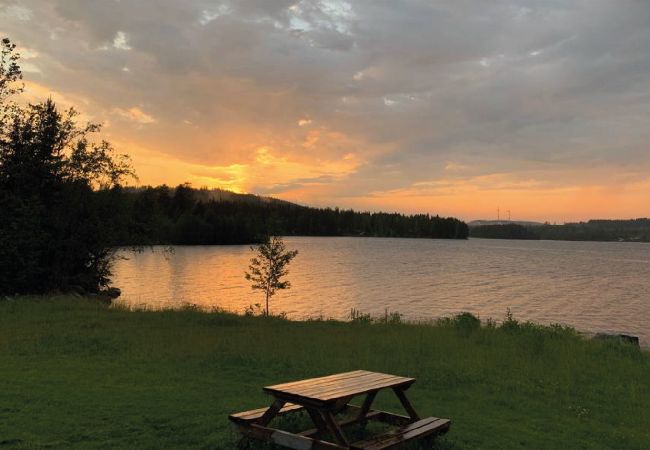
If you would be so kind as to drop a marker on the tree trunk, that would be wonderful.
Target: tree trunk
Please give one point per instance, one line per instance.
(267, 302)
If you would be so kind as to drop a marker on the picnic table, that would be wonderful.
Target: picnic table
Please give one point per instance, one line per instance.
(326, 397)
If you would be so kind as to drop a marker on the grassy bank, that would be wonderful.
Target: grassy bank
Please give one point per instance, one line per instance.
(77, 374)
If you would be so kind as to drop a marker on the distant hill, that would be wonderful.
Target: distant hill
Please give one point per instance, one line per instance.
(480, 223)
(187, 216)
(218, 195)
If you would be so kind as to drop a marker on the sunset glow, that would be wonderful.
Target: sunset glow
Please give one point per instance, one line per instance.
(540, 110)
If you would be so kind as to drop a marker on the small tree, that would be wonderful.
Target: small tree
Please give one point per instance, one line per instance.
(269, 266)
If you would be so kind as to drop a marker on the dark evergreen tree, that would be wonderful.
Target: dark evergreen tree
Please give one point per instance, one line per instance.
(59, 196)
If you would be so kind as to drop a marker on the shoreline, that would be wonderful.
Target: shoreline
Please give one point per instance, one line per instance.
(381, 319)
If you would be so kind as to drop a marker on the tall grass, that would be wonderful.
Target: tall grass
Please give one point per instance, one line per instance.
(75, 374)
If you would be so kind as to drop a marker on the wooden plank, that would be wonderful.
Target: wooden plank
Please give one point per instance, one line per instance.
(438, 427)
(358, 389)
(361, 378)
(406, 403)
(319, 380)
(419, 429)
(337, 376)
(357, 381)
(326, 402)
(286, 439)
(345, 390)
(358, 385)
(254, 414)
(327, 383)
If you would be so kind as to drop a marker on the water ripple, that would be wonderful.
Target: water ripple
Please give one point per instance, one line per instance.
(593, 286)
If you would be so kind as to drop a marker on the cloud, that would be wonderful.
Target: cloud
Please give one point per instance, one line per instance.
(121, 41)
(418, 91)
(15, 12)
(135, 114)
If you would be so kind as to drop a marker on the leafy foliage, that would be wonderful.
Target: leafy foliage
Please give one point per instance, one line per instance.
(10, 74)
(58, 232)
(269, 267)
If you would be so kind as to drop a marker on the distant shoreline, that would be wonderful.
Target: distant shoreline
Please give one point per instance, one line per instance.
(633, 230)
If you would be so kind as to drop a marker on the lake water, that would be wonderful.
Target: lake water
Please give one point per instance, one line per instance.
(593, 286)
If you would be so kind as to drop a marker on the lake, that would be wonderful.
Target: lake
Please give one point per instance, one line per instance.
(593, 286)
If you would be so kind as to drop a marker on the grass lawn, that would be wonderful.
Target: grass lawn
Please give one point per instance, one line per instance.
(75, 374)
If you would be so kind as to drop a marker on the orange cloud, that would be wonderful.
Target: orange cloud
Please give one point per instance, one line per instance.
(296, 102)
(135, 114)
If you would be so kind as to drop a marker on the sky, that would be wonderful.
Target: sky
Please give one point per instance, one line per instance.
(457, 108)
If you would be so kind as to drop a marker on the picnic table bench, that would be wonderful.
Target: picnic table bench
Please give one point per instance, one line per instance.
(325, 397)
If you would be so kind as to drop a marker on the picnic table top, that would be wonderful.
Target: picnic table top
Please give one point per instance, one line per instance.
(334, 387)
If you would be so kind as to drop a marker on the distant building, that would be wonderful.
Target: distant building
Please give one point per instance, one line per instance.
(477, 223)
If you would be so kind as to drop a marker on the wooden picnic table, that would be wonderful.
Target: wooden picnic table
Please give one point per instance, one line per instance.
(325, 397)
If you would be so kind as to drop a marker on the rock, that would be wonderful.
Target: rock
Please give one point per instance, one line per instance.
(626, 338)
(106, 296)
(112, 292)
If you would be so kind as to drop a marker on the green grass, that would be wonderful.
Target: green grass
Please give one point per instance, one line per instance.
(74, 374)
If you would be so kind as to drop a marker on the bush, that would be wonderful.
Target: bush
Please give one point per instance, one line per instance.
(510, 323)
(465, 323)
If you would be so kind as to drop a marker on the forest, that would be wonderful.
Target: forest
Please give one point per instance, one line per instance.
(188, 216)
(632, 230)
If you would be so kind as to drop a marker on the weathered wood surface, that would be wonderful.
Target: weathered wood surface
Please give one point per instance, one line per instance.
(424, 427)
(323, 390)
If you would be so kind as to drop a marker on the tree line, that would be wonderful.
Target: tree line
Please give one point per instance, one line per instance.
(187, 216)
(632, 230)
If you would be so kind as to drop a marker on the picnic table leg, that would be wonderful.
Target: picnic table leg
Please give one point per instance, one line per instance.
(317, 419)
(341, 404)
(367, 403)
(334, 428)
(406, 403)
(270, 413)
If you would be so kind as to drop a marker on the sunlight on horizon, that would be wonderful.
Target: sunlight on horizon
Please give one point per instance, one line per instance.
(331, 104)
